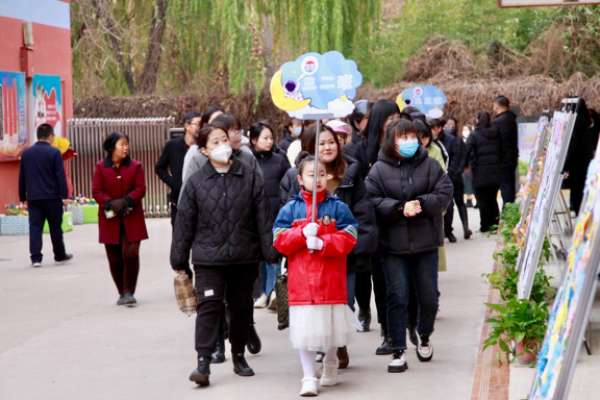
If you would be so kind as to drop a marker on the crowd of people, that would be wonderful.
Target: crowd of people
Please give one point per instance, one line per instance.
(385, 186)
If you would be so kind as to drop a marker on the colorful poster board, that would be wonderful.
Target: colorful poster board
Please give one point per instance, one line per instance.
(562, 129)
(47, 103)
(572, 305)
(529, 189)
(316, 84)
(13, 130)
(428, 99)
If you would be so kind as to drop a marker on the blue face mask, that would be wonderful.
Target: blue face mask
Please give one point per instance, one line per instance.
(407, 148)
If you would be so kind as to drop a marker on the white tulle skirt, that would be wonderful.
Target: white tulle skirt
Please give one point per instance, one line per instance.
(321, 327)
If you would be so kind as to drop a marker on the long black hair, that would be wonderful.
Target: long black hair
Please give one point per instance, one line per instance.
(381, 110)
(483, 120)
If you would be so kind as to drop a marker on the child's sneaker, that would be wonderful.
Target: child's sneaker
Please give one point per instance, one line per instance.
(424, 349)
(310, 387)
(329, 377)
(398, 363)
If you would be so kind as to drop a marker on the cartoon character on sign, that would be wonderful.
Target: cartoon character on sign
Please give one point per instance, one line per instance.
(316, 83)
(427, 98)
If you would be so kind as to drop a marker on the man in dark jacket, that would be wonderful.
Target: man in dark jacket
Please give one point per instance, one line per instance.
(169, 166)
(506, 123)
(43, 184)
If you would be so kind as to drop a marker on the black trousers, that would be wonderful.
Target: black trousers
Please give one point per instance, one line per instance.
(39, 212)
(508, 186)
(173, 213)
(380, 291)
(213, 285)
(458, 199)
(362, 291)
(488, 206)
(124, 262)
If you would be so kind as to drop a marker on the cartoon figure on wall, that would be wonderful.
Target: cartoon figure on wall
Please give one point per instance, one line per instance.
(47, 102)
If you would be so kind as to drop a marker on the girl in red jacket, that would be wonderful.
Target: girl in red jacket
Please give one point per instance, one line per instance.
(320, 319)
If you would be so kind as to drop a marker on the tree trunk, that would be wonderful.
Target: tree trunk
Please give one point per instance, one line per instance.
(149, 77)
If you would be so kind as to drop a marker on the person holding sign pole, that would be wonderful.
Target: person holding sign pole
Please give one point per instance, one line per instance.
(317, 237)
(345, 183)
(409, 191)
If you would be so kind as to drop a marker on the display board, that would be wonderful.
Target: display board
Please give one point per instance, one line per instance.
(562, 129)
(572, 305)
(529, 189)
(428, 99)
(13, 131)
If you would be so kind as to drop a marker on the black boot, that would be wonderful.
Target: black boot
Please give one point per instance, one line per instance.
(240, 366)
(464, 217)
(201, 374)
(364, 317)
(384, 348)
(253, 343)
(218, 356)
(451, 237)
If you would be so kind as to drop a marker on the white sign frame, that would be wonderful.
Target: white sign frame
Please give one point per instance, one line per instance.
(545, 3)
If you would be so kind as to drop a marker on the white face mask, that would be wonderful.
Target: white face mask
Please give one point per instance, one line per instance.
(221, 153)
(296, 131)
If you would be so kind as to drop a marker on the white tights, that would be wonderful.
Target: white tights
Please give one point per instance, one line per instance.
(307, 359)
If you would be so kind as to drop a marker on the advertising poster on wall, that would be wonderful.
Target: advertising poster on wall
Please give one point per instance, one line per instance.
(13, 131)
(571, 309)
(47, 104)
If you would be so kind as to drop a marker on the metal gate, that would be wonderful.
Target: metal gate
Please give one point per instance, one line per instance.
(147, 137)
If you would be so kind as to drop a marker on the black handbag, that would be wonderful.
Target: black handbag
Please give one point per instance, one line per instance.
(281, 290)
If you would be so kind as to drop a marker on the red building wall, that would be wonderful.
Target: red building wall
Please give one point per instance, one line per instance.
(51, 55)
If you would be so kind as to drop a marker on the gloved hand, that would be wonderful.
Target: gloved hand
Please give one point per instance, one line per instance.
(310, 230)
(314, 243)
(118, 204)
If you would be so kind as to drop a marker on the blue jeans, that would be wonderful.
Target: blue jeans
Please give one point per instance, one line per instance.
(269, 273)
(400, 270)
(351, 283)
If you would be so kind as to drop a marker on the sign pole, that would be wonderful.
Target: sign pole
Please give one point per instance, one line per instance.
(315, 174)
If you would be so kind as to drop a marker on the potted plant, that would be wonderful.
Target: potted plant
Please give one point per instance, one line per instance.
(518, 328)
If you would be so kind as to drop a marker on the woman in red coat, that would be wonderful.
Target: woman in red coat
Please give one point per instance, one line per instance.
(119, 188)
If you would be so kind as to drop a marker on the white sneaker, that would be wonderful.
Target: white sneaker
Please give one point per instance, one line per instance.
(272, 301)
(36, 264)
(329, 376)
(261, 302)
(398, 363)
(310, 387)
(424, 350)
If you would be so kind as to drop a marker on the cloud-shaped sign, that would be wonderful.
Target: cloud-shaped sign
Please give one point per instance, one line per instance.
(426, 98)
(316, 83)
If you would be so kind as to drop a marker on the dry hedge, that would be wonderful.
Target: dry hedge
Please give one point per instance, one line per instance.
(470, 82)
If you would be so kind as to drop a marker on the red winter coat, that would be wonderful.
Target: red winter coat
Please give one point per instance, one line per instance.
(318, 277)
(111, 183)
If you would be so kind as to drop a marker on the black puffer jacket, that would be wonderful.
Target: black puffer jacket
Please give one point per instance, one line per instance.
(358, 151)
(351, 191)
(274, 166)
(285, 142)
(391, 183)
(485, 157)
(222, 218)
(506, 123)
(457, 152)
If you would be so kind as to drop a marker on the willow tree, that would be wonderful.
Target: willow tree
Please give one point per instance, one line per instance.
(244, 40)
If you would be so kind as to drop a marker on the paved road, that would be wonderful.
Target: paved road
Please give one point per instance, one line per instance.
(62, 337)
